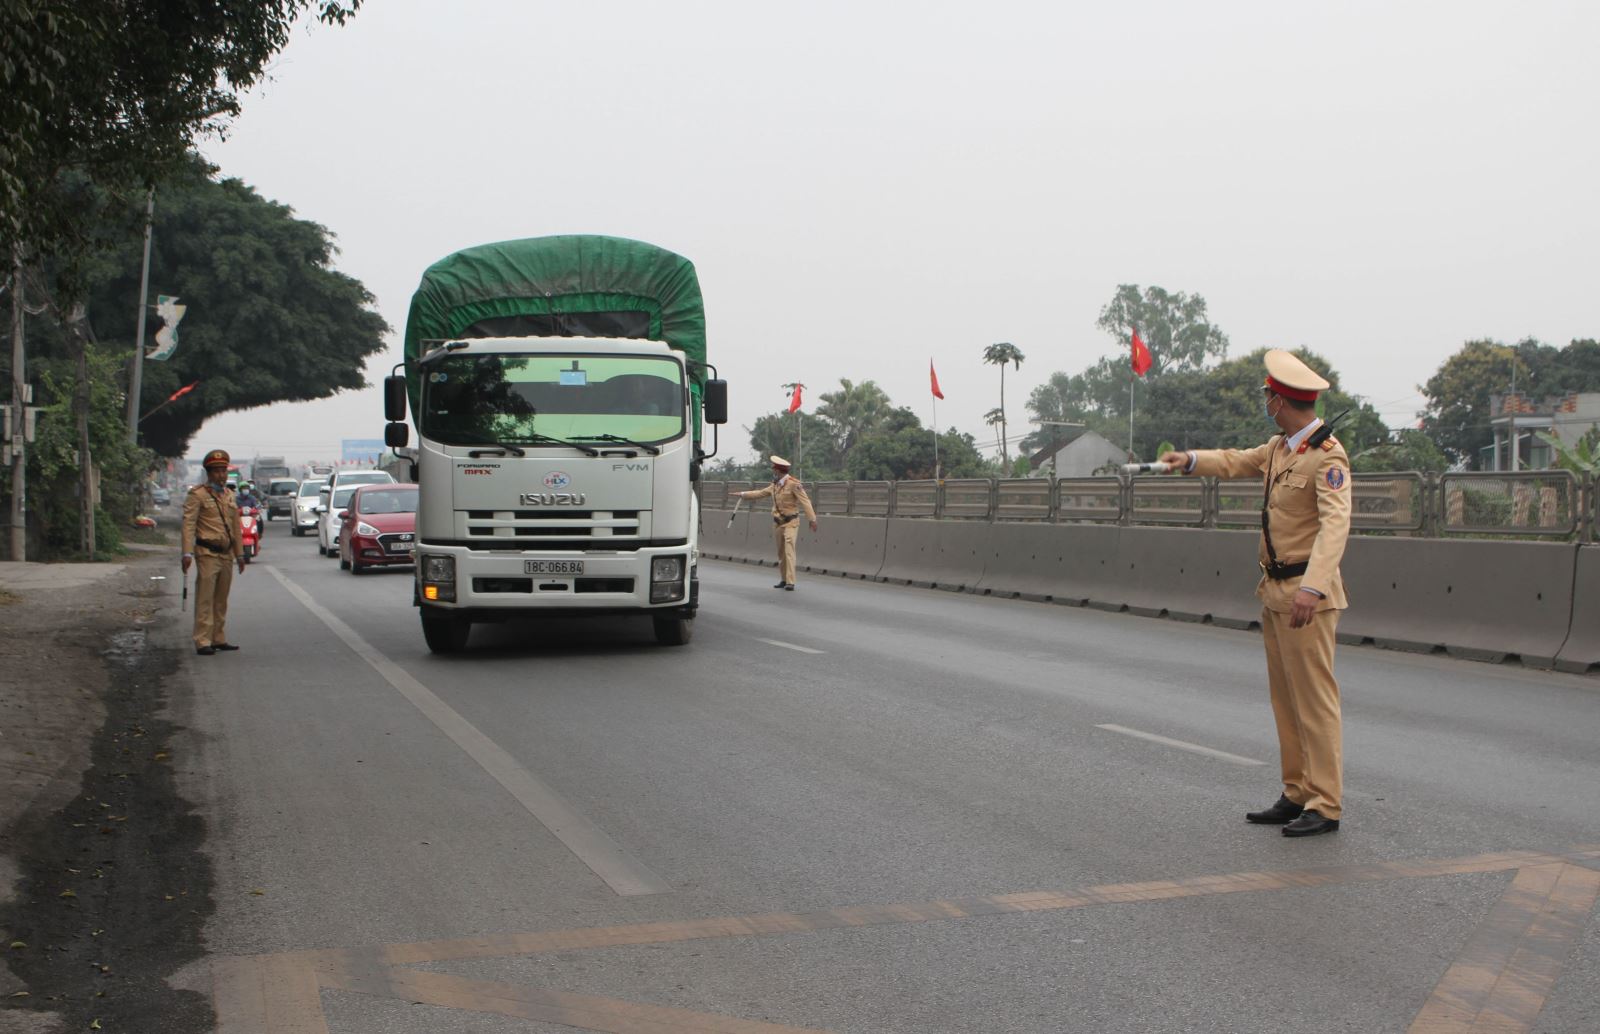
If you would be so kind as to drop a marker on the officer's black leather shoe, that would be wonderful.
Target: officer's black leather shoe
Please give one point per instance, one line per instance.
(1309, 824)
(223, 646)
(781, 585)
(788, 586)
(205, 651)
(1283, 811)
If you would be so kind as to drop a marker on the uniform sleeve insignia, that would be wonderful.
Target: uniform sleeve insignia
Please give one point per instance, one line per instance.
(1335, 478)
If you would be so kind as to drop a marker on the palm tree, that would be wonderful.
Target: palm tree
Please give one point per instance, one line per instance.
(1000, 354)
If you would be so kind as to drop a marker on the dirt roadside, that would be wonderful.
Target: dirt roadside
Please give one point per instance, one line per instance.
(103, 884)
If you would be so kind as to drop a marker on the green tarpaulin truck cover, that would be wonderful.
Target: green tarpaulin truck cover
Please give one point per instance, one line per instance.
(565, 286)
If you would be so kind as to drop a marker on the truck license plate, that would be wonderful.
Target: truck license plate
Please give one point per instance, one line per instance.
(552, 566)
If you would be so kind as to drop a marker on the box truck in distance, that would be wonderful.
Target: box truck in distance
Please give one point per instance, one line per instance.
(557, 386)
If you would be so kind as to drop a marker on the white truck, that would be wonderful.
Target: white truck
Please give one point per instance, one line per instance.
(557, 387)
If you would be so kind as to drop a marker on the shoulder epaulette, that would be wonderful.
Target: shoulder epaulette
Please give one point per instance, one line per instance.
(1329, 443)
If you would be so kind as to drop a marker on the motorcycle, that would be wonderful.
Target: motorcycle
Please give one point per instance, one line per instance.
(250, 531)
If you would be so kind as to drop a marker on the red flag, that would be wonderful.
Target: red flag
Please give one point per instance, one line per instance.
(1141, 356)
(934, 378)
(182, 392)
(794, 403)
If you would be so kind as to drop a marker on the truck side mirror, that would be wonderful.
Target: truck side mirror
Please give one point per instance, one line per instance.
(714, 402)
(394, 399)
(396, 436)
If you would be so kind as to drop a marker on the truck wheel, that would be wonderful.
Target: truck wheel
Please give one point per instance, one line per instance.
(344, 565)
(297, 532)
(673, 631)
(446, 634)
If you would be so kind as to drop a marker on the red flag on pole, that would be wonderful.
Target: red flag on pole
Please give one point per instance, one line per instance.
(1141, 356)
(181, 392)
(794, 403)
(933, 377)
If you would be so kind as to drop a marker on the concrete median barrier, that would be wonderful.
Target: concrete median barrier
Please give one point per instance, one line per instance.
(1056, 563)
(749, 540)
(1190, 574)
(935, 554)
(851, 547)
(1581, 651)
(1472, 598)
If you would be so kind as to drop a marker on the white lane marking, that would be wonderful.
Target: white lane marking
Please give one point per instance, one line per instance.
(1193, 748)
(788, 646)
(607, 859)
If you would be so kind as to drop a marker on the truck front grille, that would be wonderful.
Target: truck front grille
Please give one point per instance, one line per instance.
(511, 527)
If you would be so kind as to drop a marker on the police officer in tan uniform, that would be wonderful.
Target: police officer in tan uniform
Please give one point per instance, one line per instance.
(788, 499)
(1305, 520)
(212, 542)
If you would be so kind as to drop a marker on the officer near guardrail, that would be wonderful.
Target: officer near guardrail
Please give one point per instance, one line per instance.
(788, 499)
(1305, 521)
(212, 543)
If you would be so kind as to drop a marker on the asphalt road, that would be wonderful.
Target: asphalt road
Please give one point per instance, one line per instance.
(572, 826)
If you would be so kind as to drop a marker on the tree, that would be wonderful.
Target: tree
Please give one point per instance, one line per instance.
(1581, 456)
(902, 449)
(852, 412)
(117, 92)
(1173, 326)
(268, 319)
(1410, 449)
(1457, 415)
(779, 434)
(1000, 354)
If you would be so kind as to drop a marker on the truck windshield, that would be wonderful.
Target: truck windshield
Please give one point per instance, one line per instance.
(472, 399)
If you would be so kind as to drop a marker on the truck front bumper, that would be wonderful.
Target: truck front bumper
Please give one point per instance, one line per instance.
(484, 581)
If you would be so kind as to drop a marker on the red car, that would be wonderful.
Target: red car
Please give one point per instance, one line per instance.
(378, 528)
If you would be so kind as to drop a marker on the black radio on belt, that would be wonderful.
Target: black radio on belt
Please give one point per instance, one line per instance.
(215, 547)
(784, 518)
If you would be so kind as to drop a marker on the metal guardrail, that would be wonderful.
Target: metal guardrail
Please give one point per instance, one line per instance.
(1543, 503)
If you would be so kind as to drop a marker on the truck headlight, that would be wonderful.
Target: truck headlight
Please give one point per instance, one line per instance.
(666, 579)
(438, 568)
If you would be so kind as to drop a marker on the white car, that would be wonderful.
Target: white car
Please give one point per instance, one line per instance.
(328, 518)
(304, 517)
(335, 496)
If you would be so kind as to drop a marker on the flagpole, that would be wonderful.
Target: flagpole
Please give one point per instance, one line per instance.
(936, 438)
(1131, 378)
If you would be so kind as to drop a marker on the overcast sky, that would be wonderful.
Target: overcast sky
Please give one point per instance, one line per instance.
(865, 186)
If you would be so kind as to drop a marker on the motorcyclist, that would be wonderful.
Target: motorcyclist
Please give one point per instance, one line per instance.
(247, 495)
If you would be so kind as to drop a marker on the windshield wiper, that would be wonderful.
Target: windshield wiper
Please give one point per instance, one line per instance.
(546, 439)
(654, 450)
(489, 447)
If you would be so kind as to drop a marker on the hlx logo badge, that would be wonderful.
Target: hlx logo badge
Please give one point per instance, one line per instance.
(557, 479)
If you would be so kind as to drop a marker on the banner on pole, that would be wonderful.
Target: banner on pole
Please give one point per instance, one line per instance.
(171, 312)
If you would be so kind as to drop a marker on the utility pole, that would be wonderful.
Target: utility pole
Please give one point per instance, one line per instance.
(19, 416)
(136, 378)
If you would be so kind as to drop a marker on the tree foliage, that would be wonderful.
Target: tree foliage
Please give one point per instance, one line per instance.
(117, 92)
(268, 320)
(1174, 326)
(1409, 449)
(1457, 414)
(852, 413)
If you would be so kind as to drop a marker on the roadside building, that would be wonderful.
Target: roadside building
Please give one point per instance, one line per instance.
(1076, 453)
(1517, 419)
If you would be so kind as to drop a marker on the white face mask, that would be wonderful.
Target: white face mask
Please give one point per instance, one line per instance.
(1270, 414)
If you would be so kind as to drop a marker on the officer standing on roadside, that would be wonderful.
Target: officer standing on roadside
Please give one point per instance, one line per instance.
(213, 544)
(788, 499)
(1305, 520)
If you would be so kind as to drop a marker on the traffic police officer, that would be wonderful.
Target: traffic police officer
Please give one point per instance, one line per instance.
(1305, 520)
(788, 499)
(213, 544)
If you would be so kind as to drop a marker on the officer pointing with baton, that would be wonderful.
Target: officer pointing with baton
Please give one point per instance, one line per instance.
(788, 499)
(1305, 521)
